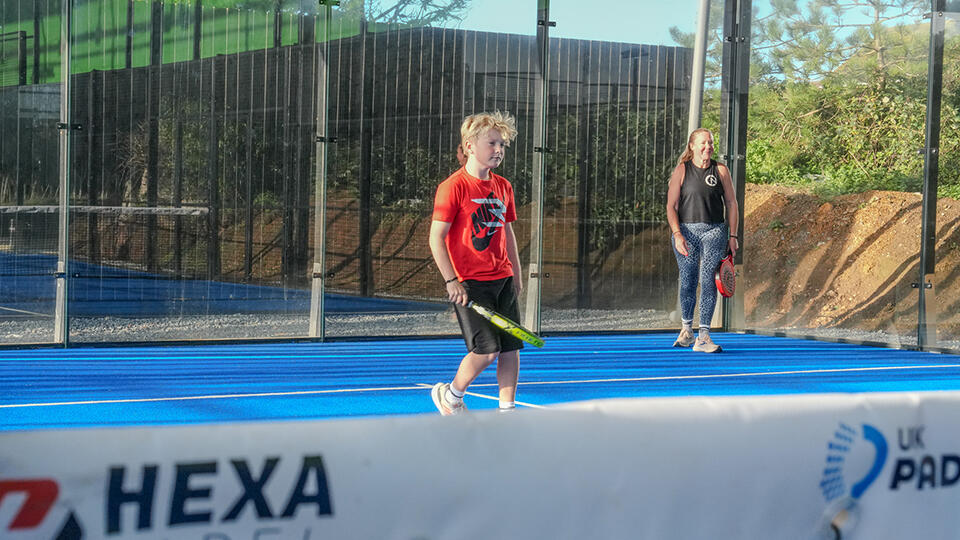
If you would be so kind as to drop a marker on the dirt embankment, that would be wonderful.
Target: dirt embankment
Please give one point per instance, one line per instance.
(853, 261)
(850, 262)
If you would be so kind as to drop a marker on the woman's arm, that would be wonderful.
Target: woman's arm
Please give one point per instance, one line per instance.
(673, 207)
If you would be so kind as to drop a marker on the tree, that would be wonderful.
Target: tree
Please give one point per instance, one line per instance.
(811, 42)
(402, 12)
(838, 94)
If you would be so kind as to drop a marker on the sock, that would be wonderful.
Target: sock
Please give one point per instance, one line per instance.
(704, 332)
(453, 395)
(506, 404)
(687, 325)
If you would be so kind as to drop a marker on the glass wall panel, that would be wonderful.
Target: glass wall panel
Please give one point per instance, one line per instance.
(947, 271)
(619, 95)
(402, 79)
(194, 178)
(191, 183)
(30, 92)
(833, 204)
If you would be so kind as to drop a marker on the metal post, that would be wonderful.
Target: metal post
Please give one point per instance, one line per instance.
(735, 88)
(36, 43)
(128, 61)
(61, 332)
(94, 165)
(926, 305)
(277, 24)
(365, 224)
(699, 67)
(21, 58)
(153, 130)
(197, 29)
(531, 315)
(213, 184)
(585, 190)
(320, 177)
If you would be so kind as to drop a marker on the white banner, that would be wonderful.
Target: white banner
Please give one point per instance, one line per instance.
(875, 465)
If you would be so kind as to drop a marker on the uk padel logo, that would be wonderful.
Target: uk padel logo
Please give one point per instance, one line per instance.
(847, 452)
(487, 220)
(711, 180)
(855, 458)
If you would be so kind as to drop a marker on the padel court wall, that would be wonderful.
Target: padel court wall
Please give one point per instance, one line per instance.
(214, 160)
(194, 173)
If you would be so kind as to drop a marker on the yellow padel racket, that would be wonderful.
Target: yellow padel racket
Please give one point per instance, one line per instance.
(505, 324)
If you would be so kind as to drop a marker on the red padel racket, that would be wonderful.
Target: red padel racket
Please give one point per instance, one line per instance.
(726, 276)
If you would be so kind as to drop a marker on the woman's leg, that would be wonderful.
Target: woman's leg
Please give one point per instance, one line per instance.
(689, 271)
(714, 246)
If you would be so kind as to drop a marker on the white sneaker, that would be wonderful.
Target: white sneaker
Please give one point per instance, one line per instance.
(438, 393)
(705, 344)
(685, 339)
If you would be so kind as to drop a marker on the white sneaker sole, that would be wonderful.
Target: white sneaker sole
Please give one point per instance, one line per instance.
(435, 394)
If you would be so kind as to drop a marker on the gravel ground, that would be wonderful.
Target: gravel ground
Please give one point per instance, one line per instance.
(211, 327)
(234, 327)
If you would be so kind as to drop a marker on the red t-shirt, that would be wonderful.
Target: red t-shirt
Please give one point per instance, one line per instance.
(477, 211)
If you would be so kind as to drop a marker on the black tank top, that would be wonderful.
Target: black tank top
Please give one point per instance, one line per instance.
(701, 195)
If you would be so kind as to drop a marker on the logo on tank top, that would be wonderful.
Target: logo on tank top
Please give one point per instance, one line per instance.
(487, 220)
(711, 180)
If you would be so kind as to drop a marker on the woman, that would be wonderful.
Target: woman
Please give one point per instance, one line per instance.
(700, 190)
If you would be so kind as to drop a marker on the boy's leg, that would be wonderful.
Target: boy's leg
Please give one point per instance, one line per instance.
(508, 363)
(471, 366)
(508, 372)
(449, 397)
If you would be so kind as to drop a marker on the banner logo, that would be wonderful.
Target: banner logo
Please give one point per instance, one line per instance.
(158, 498)
(838, 464)
(41, 494)
(855, 458)
(487, 220)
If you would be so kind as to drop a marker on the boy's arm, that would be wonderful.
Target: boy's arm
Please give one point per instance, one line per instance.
(438, 247)
(514, 255)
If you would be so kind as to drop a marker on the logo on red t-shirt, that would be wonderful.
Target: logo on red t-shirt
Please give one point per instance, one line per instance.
(487, 220)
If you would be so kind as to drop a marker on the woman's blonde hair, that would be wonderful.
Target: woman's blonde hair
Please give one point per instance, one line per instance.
(687, 154)
(476, 125)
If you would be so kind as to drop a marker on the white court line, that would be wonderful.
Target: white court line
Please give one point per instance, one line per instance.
(421, 386)
(213, 396)
(5, 308)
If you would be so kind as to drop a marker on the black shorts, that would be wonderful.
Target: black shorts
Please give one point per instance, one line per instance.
(480, 335)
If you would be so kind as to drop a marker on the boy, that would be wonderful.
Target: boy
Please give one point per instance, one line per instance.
(472, 241)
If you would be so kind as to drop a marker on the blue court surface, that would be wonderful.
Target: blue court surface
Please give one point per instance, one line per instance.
(124, 386)
(28, 290)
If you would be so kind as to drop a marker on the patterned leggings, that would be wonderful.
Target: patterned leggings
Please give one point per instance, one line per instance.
(707, 244)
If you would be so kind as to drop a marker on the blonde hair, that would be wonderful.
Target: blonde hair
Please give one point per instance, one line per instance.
(687, 154)
(476, 125)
